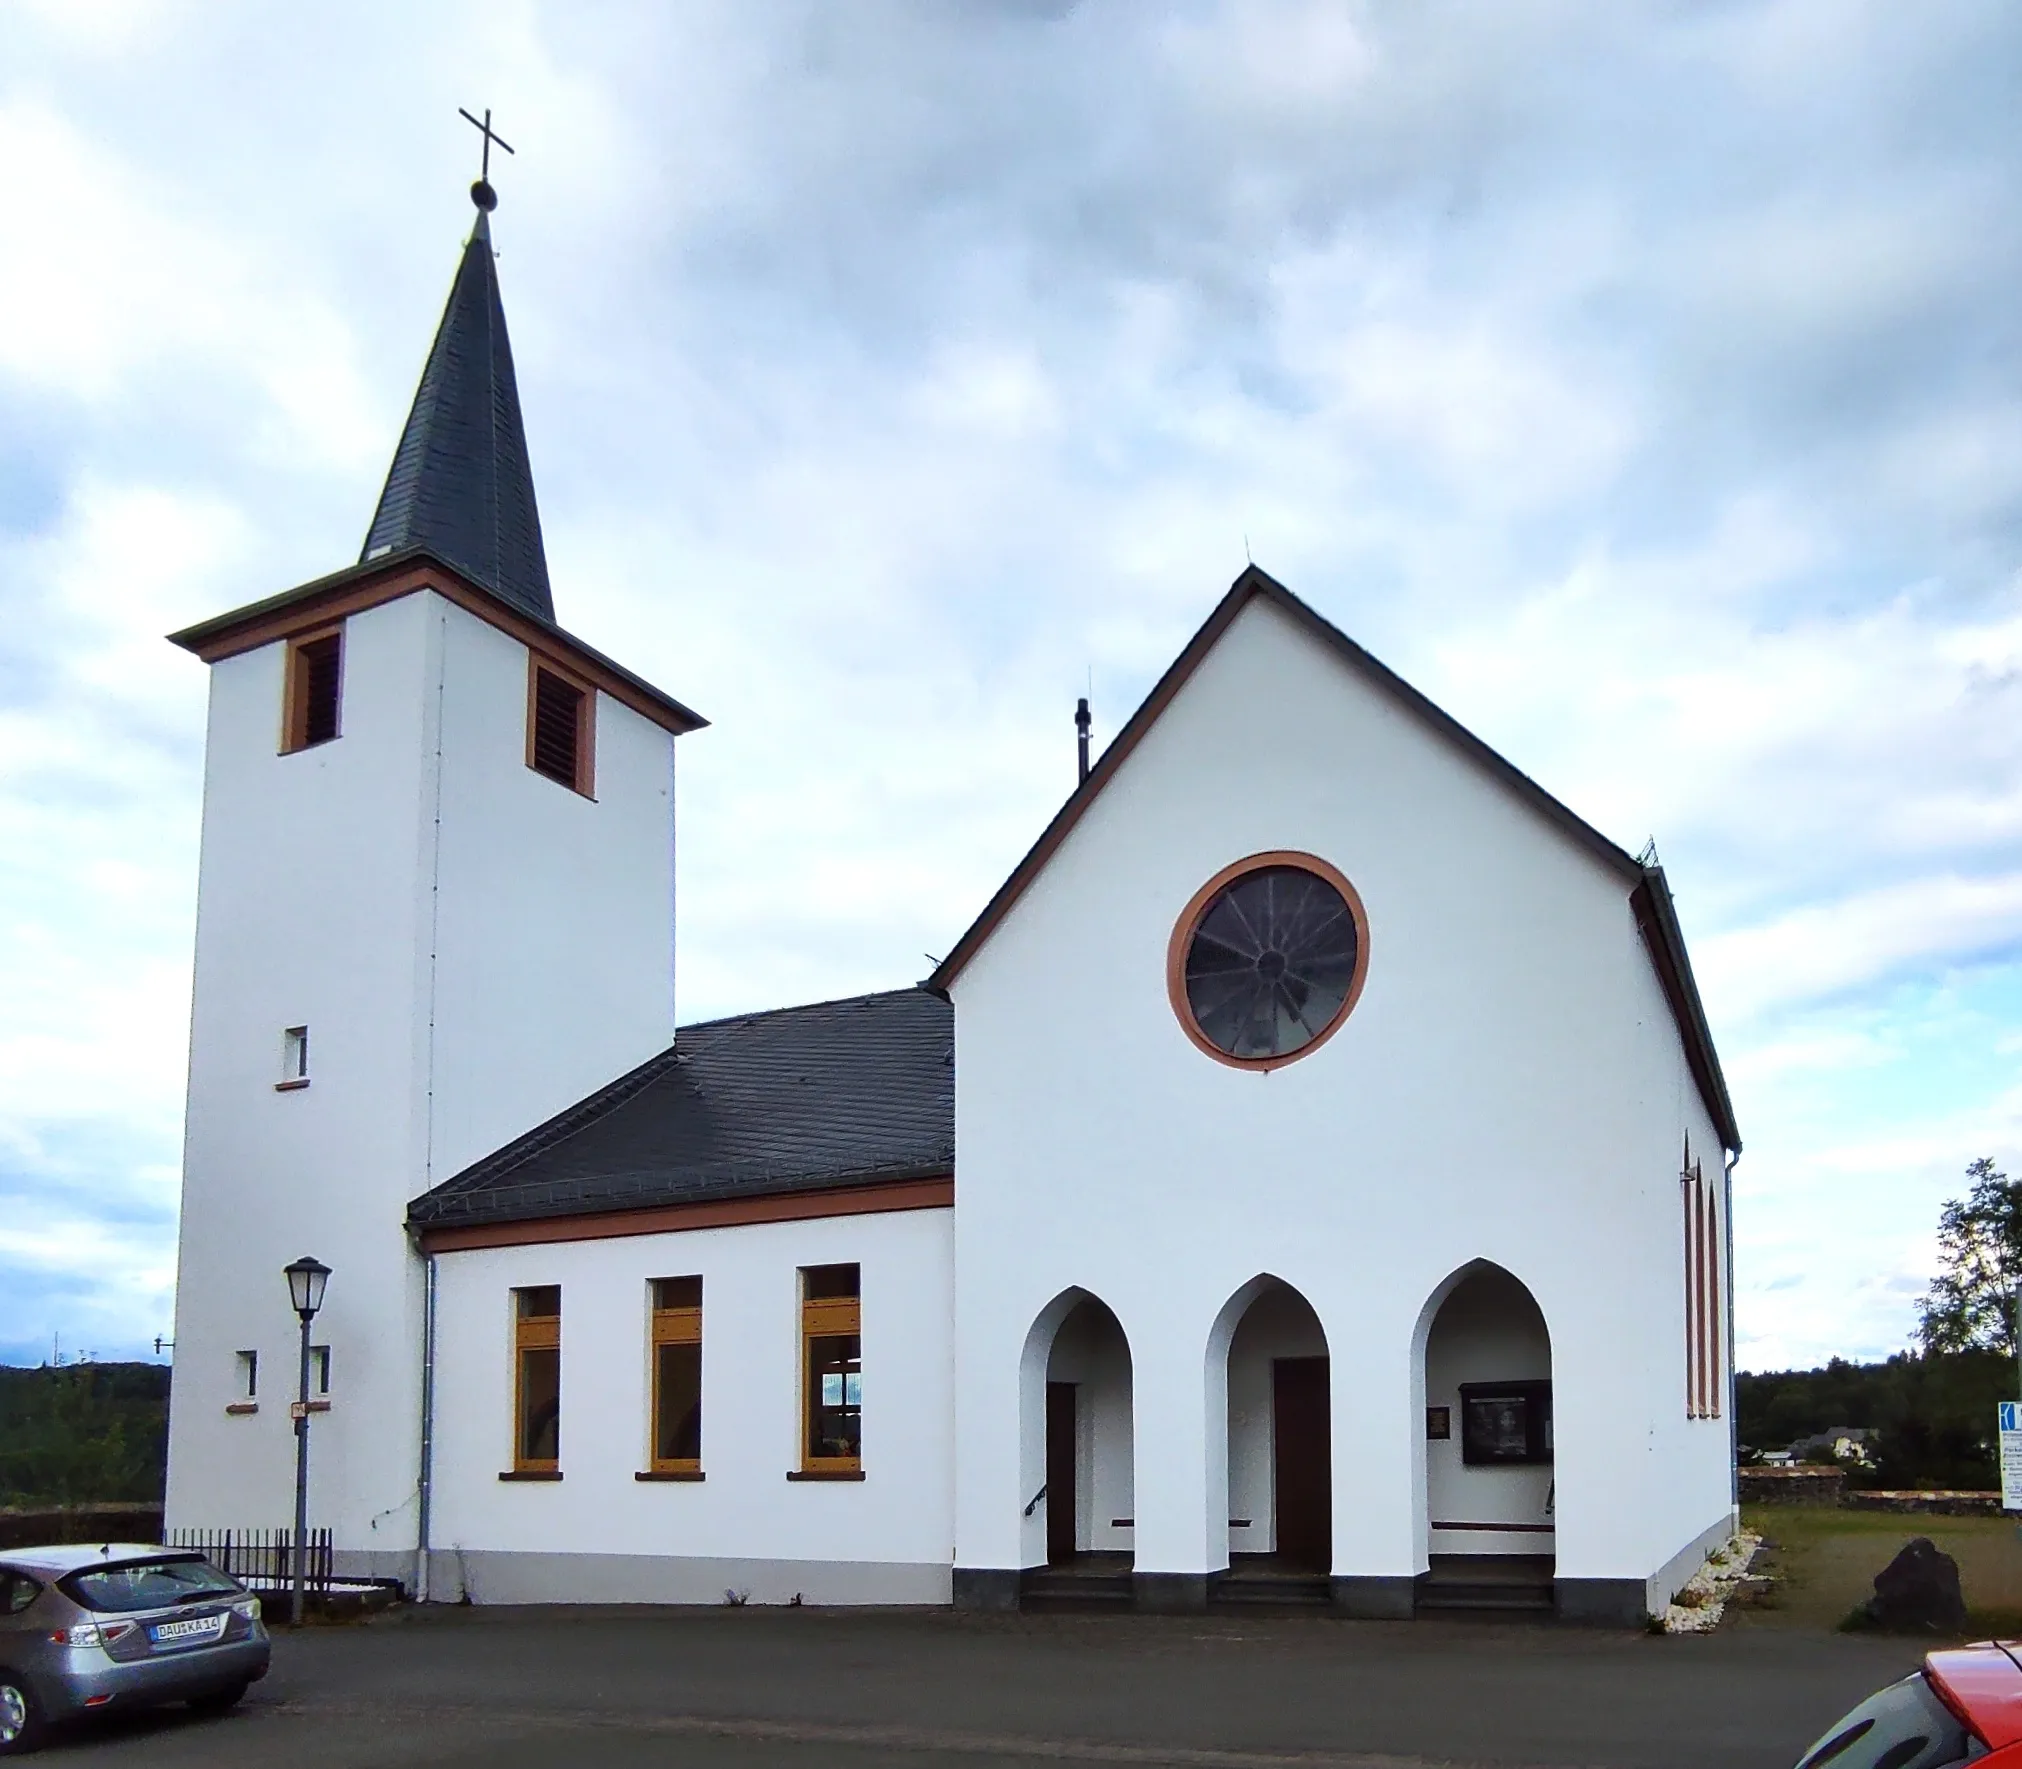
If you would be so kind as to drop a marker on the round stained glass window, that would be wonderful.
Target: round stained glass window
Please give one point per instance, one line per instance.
(1269, 959)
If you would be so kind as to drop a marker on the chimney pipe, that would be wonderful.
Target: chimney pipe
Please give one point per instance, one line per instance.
(1081, 724)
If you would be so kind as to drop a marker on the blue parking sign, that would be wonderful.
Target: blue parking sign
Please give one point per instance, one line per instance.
(2011, 1455)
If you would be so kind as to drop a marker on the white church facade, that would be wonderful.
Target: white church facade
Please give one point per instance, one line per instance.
(1307, 1181)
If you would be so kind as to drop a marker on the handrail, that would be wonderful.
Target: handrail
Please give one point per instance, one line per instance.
(1036, 1497)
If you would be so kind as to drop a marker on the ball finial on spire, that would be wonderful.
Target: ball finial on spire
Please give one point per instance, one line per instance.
(481, 193)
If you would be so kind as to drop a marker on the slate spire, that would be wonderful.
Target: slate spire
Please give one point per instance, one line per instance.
(461, 485)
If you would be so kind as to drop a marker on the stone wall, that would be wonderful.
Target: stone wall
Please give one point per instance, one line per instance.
(1799, 1485)
(1940, 1504)
(1808, 1485)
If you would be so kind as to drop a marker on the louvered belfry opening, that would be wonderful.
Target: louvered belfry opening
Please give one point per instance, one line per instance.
(315, 689)
(558, 730)
(321, 659)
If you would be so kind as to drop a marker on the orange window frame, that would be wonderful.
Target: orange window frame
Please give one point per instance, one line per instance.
(585, 781)
(295, 690)
(671, 1326)
(825, 1317)
(533, 1333)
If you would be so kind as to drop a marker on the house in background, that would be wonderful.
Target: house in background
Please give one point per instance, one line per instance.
(1308, 1176)
(1848, 1444)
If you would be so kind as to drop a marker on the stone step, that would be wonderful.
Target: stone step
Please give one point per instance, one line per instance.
(1273, 1591)
(1057, 1588)
(1499, 1596)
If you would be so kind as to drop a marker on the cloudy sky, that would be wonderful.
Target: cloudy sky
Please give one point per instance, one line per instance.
(1640, 380)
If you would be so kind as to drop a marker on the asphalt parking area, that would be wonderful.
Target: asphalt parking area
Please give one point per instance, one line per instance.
(750, 1689)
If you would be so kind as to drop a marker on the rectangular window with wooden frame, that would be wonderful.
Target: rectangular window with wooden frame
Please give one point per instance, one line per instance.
(831, 1369)
(537, 1379)
(314, 690)
(677, 1376)
(561, 727)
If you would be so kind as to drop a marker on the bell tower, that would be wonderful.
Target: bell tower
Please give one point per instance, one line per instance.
(435, 907)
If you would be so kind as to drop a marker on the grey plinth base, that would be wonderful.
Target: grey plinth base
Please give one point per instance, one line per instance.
(1602, 1603)
(1375, 1597)
(986, 1587)
(1169, 1593)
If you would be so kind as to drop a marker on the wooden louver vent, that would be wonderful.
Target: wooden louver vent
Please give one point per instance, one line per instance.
(321, 660)
(313, 698)
(558, 730)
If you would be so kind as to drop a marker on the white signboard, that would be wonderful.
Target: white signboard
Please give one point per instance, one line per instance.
(2011, 1455)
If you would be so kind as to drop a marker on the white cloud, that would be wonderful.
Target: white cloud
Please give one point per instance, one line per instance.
(1824, 948)
(1634, 379)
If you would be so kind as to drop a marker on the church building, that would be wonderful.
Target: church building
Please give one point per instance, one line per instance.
(1306, 1181)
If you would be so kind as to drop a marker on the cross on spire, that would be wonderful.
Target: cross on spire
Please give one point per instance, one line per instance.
(481, 193)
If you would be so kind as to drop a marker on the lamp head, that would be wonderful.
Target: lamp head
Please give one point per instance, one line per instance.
(306, 1280)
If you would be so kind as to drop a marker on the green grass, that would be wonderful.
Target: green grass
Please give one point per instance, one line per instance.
(1825, 1559)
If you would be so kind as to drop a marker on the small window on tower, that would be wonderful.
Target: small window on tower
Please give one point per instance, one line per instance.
(245, 1383)
(294, 1058)
(315, 689)
(319, 1371)
(561, 728)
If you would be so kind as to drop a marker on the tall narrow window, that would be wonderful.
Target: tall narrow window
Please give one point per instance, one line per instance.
(561, 728)
(677, 1376)
(319, 1371)
(831, 1368)
(247, 1376)
(1705, 1351)
(537, 1379)
(315, 689)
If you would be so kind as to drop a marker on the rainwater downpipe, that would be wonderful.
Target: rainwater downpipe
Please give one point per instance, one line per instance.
(426, 1483)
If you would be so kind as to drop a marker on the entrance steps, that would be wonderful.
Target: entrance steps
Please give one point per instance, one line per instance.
(1486, 1584)
(1262, 1583)
(1515, 1586)
(1087, 1582)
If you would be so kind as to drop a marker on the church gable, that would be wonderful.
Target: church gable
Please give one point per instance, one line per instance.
(1256, 593)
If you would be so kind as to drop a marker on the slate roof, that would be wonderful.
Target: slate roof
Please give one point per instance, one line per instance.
(461, 486)
(799, 1099)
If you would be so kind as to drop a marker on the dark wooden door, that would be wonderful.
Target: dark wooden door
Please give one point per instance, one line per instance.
(1059, 1471)
(1302, 1462)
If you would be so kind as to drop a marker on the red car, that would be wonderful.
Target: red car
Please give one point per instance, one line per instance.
(1964, 1706)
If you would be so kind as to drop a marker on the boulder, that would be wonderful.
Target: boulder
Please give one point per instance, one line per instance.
(1918, 1592)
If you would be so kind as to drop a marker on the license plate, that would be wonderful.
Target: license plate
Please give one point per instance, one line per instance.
(190, 1633)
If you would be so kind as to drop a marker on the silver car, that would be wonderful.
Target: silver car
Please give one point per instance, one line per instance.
(92, 1630)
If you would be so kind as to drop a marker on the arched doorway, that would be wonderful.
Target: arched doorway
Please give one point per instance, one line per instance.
(1280, 1480)
(1078, 1428)
(1490, 1496)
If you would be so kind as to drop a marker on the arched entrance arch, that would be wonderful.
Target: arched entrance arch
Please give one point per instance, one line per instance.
(1270, 1476)
(1075, 1435)
(1483, 1360)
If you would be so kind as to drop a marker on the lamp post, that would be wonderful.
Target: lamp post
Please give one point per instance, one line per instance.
(306, 1281)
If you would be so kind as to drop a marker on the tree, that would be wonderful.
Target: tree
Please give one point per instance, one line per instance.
(1970, 1305)
(82, 1432)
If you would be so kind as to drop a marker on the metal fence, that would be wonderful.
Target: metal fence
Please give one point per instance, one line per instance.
(262, 1558)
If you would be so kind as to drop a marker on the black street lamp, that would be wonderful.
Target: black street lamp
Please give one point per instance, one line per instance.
(307, 1279)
